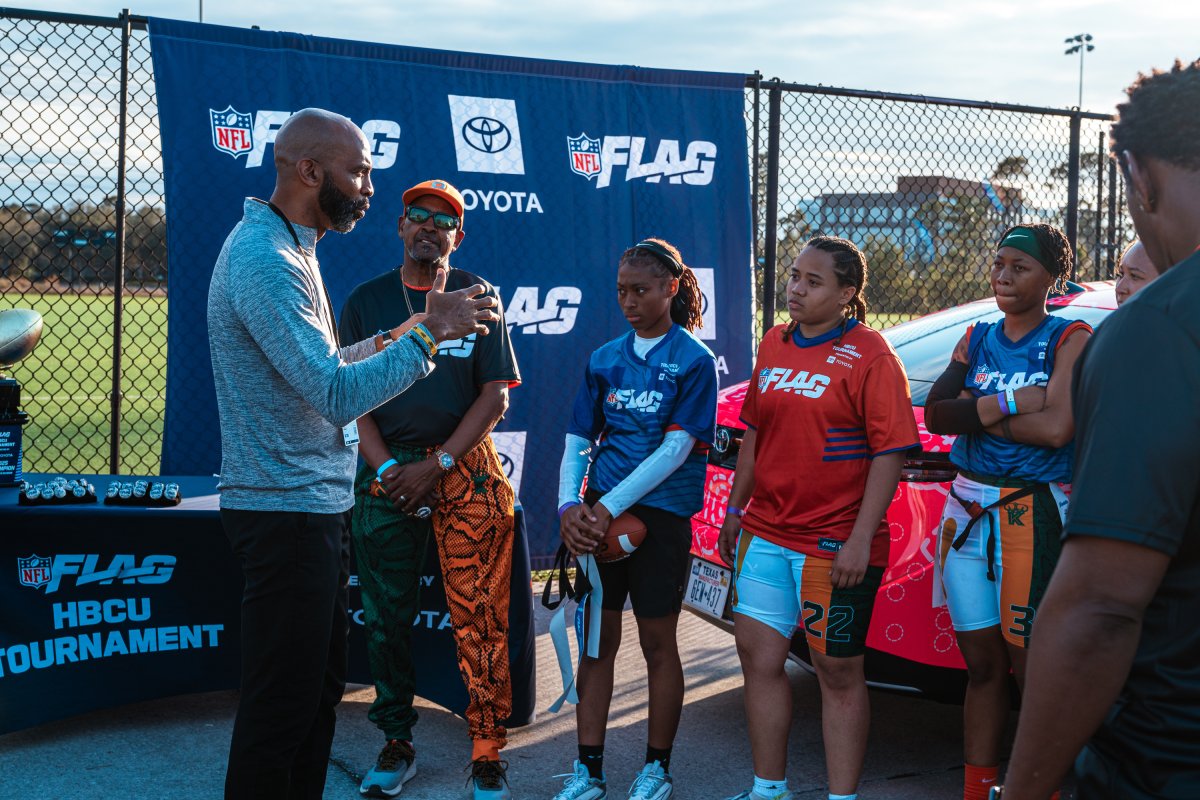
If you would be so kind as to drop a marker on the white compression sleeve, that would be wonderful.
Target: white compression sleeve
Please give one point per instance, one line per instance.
(650, 473)
(574, 466)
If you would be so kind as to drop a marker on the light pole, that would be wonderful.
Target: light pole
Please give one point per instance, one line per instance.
(1081, 44)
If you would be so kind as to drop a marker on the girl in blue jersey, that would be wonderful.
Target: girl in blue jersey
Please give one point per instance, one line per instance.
(1007, 394)
(646, 414)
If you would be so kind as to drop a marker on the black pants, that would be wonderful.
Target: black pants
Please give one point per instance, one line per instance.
(294, 650)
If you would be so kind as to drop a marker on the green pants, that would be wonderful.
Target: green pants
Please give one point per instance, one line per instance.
(473, 528)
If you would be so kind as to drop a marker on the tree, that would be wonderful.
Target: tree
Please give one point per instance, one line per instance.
(1011, 167)
(1089, 251)
(1089, 164)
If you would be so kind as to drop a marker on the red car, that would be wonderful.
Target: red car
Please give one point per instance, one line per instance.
(910, 645)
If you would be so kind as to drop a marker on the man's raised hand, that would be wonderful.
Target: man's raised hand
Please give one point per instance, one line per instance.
(453, 315)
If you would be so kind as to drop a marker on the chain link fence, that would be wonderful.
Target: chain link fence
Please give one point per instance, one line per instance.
(84, 239)
(924, 186)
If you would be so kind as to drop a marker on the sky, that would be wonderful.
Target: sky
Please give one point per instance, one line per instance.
(1010, 52)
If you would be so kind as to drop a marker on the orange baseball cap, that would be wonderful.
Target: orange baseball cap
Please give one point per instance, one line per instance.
(437, 188)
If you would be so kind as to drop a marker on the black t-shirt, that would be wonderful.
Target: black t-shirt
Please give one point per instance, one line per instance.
(1137, 479)
(427, 413)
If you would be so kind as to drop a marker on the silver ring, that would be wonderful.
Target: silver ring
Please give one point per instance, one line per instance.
(424, 512)
(402, 499)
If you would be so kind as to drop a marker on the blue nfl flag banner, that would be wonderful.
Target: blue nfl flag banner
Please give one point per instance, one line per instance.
(562, 166)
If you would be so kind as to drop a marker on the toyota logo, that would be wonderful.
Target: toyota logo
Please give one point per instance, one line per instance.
(507, 464)
(486, 134)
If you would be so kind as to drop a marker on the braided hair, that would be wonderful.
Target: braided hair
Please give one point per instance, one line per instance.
(1056, 250)
(850, 269)
(662, 259)
(1161, 118)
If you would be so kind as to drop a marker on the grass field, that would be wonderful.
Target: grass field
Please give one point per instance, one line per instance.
(67, 381)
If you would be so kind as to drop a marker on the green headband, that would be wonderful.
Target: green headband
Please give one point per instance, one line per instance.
(1026, 241)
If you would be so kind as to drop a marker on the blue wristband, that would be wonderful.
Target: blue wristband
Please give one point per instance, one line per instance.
(563, 508)
(1012, 401)
(391, 462)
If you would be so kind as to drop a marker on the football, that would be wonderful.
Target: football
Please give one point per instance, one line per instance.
(625, 534)
(20, 329)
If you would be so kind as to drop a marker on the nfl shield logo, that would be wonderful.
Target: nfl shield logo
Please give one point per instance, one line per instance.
(33, 571)
(231, 131)
(584, 153)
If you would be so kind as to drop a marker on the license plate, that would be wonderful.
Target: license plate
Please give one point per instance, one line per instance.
(707, 588)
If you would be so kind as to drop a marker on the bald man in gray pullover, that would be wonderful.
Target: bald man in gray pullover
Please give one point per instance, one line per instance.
(287, 395)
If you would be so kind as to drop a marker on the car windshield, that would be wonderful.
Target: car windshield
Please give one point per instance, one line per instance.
(925, 345)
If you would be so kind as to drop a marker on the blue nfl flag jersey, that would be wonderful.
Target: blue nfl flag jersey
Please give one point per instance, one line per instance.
(998, 363)
(628, 404)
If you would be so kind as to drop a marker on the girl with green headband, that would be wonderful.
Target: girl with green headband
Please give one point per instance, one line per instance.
(1007, 395)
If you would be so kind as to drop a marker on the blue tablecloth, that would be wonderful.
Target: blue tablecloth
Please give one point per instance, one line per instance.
(112, 605)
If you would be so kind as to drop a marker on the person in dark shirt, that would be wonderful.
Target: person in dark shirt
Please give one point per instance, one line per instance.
(430, 467)
(1114, 665)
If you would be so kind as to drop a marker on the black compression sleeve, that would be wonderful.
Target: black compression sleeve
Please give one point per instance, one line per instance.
(944, 411)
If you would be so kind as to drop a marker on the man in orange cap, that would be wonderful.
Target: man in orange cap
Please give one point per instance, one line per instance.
(430, 467)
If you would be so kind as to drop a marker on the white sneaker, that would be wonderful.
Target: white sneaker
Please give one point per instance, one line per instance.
(750, 795)
(580, 785)
(652, 783)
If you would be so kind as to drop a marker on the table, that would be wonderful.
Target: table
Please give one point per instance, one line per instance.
(110, 605)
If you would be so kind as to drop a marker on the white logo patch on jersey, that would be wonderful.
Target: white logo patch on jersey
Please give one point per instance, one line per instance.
(646, 402)
(457, 348)
(802, 383)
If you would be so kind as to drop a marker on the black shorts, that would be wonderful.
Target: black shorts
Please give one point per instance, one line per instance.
(654, 575)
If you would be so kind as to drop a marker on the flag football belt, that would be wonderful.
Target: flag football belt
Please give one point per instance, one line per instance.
(976, 511)
(588, 595)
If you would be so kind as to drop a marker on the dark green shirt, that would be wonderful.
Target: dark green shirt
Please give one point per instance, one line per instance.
(428, 412)
(1137, 479)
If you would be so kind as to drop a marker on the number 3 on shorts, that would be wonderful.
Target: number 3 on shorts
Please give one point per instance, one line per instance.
(1022, 621)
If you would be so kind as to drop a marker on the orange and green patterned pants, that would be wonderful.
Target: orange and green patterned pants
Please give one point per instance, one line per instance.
(473, 528)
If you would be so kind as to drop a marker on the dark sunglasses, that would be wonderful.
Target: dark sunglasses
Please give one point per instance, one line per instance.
(418, 215)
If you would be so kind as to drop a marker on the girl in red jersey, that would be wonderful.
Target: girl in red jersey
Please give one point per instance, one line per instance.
(828, 420)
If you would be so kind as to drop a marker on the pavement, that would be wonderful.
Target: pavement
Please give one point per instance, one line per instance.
(176, 747)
